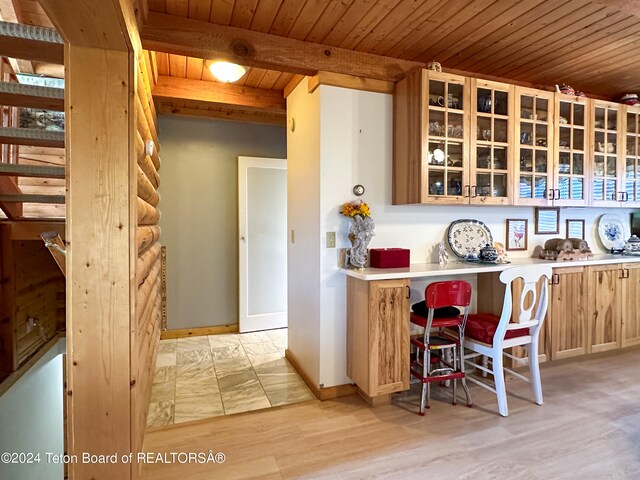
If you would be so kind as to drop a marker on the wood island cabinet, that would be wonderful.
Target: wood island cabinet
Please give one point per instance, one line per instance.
(378, 336)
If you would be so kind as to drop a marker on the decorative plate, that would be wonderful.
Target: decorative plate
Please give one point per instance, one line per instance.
(468, 236)
(613, 231)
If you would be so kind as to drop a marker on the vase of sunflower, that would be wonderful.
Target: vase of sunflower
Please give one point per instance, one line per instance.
(360, 232)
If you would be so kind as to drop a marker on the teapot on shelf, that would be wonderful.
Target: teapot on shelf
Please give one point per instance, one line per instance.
(632, 245)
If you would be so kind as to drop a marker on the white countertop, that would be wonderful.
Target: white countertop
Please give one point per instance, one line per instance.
(457, 267)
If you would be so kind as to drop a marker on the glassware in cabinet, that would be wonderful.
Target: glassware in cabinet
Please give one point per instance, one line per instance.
(605, 149)
(570, 187)
(446, 117)
(491, 142)
(533, 140)
(631, 153)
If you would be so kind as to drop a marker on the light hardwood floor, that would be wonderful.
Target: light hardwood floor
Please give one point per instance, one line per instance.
(588, 428)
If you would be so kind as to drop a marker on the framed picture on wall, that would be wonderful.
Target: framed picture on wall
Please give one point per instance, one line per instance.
(547, 220)
(575, 229)
(516, 234)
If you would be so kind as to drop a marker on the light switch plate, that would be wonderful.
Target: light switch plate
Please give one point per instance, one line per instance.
(331, 239)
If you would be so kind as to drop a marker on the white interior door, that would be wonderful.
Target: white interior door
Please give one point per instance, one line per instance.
(262, 202)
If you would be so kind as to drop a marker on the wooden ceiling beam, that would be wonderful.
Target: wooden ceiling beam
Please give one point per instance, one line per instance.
(244, 116)
(222, 94)
(194, 38)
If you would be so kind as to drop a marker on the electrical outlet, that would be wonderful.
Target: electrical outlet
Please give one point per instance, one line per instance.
(331, 239)
(31, 323)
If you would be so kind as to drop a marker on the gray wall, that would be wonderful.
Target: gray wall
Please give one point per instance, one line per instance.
(31, 419)
(199, 205)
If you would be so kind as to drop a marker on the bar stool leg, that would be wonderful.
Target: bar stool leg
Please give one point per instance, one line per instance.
(464, 377)
(455, 380)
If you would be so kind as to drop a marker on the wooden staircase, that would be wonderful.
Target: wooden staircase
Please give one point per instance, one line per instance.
(32, 172)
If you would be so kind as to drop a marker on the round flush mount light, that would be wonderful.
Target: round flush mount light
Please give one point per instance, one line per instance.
(227, 72)
(358, 190)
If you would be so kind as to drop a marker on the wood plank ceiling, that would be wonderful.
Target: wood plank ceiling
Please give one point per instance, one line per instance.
(592, 45)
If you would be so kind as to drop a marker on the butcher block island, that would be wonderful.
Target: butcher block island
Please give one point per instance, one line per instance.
(592, 308)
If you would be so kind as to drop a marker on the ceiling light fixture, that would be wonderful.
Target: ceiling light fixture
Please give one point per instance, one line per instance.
(227, 72)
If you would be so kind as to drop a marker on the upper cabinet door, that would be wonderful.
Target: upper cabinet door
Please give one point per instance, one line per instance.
(605, 154)
(631, 155)
(431, 138)
(533, 139)
(571, 169)
(446, 158)
(492, 107)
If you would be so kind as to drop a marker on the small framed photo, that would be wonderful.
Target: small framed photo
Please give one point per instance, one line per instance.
(516, 234)
(547, 220)
(575, 229)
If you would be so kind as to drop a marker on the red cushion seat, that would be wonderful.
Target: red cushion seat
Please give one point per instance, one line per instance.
(437, 322)
(482, 327)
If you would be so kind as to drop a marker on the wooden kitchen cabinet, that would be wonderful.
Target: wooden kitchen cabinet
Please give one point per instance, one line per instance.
(378, 336)
(431, 139)
(606, 145)
(571, 137)
(630, 313)
(631, 152)
(568, 313)
(533, 160)
(604, 295)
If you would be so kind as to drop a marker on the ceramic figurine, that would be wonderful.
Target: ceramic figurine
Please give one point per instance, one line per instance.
(502, 252)
(443, 256)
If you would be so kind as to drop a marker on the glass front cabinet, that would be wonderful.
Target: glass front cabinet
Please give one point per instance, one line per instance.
(533, 163)
(490, 174)
(571, 181)
(605, 149)
(461, 140)
(631, 154)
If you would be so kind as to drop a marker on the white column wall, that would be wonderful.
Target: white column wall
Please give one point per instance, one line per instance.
(303, 206)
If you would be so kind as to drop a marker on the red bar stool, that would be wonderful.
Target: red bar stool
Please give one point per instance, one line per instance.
(446, 343)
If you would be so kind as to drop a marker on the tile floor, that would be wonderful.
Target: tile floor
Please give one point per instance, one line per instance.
(203, 377)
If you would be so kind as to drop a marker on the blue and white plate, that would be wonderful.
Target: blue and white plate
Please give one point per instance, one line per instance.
(468, 236)
(613, 231)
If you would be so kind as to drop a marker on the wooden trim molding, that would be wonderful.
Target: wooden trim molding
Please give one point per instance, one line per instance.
(321, 393)
(350, 81)
(198, 331)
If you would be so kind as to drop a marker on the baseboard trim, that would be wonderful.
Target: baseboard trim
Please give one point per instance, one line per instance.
(321, 393)
(198, 331)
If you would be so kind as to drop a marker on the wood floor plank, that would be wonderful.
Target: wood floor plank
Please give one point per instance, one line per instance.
(587, 428)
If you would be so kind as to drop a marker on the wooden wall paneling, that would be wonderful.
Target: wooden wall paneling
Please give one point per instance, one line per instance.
(604, 294)
(147, 214)
(146, 236)
(8, 347)
(100, 290)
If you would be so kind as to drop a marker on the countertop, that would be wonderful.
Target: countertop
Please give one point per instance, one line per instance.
(457, 267)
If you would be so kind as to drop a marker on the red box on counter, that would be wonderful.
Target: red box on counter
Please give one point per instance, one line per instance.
(389, 257)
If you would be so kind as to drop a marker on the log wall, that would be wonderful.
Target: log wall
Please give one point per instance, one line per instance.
(148, 302)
